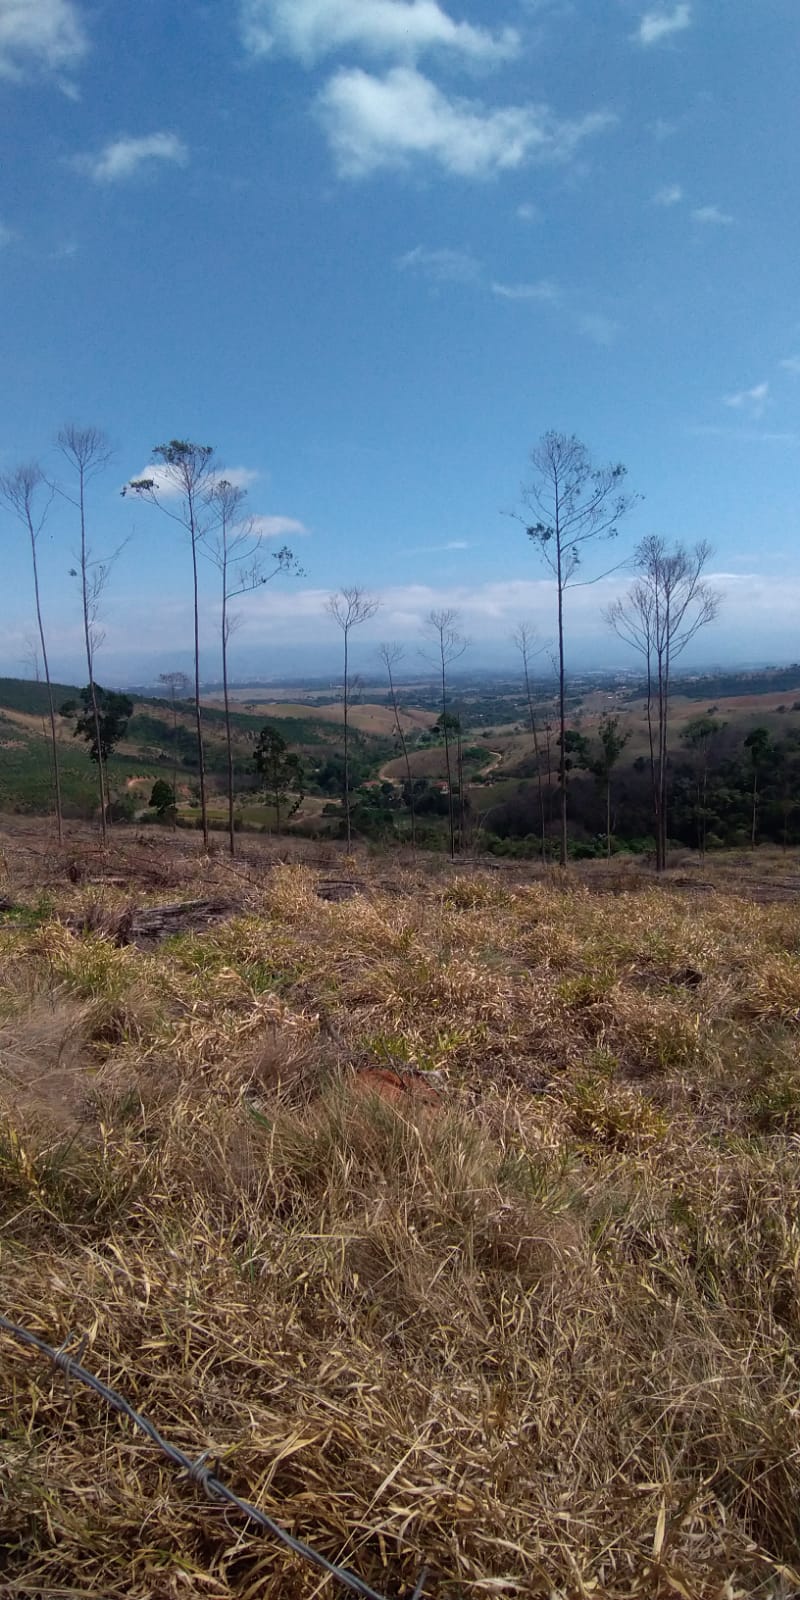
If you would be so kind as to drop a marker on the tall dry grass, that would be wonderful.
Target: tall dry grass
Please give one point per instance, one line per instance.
(537, 1330)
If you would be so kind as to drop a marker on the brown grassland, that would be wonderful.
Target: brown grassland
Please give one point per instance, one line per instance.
(533, 1320)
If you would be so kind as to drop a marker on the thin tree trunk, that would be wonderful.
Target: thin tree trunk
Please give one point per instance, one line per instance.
(228, 745)
(87, 634)
(562, 712)
(406, 758)
(451, 817)
(608, 818)
(346, 710)
(198, 717)
(51, 707)
(461, 802)
(225, 697)
(174, 759)
(755, 808)
(532, 716)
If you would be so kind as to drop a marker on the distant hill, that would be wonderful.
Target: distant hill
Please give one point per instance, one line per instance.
(24, 694)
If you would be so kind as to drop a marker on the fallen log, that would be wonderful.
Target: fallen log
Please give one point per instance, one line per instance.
(150, 925)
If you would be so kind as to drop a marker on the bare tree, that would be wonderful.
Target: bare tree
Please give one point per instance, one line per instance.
(441, 626)
(87, 452)
(391, 655)
(178, 685)
(349, 608)
(572, 503)
(525, 641)
(236, 543)
(667, 605)
(20, 494)
(181, 491)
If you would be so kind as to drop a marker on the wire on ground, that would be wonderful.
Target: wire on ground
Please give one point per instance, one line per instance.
(196, 1471)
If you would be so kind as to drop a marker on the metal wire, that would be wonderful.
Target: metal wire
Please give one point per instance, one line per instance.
(196, 1471)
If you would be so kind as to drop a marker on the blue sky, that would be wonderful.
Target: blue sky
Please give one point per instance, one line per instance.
(372, 250)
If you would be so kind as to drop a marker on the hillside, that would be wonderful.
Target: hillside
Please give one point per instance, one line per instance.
(457, 1219)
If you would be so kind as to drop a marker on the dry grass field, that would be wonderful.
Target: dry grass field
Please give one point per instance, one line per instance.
(368, 718)
(458, 1219)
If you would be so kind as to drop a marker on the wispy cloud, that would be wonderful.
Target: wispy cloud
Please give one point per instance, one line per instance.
(754, 401)
(442, 266)
(658, 25)
(600, 329)
(124, 158)
(278, 527)
(309, 30)
(7, 235)
(670, 195)
(791, 364)
(712, 216)
(379, 122)
(452, 547)
(40, 36)
(528, 212)
(543, 290)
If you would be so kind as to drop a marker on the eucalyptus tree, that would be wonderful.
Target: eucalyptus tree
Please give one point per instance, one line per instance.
(181, 486)
(441, 628)
(567, 505)
(665, 608)
(235, 545)
(349, 609)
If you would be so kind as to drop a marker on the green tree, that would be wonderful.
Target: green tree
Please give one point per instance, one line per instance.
(758, 745)
(114, 711)
(698, 737)
(281, 771)
(162, 800)
(568, 504)
(601, 762)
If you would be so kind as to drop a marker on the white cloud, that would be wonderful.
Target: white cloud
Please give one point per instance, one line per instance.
(7, 235)
(543, 290)
(670, 195)
(279, 528)
(311, 29)
(600, 329)
(528, 212)
(753, 400)
(443, 266)
(792, 364)
(712, 216)
(375, 122)
(122, 159)
(40, 35)
(658, 25)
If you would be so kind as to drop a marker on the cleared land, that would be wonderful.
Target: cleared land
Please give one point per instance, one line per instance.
(459, 1219)
(375, 719)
